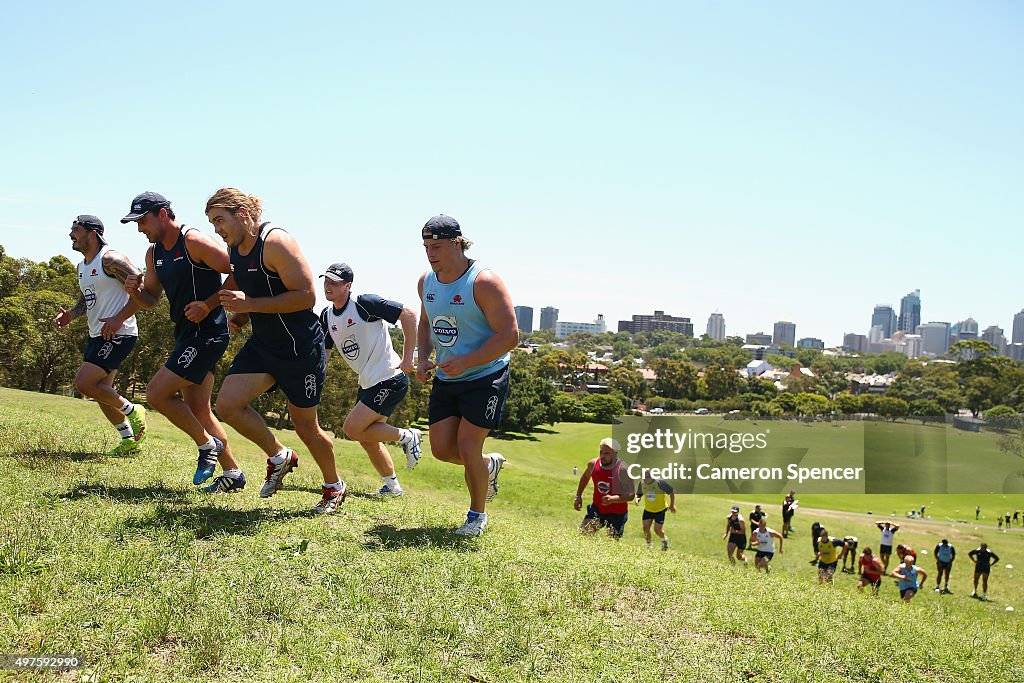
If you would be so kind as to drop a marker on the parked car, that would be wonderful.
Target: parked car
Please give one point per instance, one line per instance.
(656, 411)
(701, 411)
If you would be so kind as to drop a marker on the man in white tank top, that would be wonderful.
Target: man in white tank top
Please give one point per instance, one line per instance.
(763, 541)
(357, 327)
(113, 331)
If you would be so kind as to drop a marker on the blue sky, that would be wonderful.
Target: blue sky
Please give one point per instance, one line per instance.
(802, 161)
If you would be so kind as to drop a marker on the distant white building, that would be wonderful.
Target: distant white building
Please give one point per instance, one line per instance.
(564, 328)
(716, 326)
(756, 368)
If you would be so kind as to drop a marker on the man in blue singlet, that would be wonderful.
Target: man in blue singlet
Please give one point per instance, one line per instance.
(467, 318)
(945, 553)
(910, 578)
(187, 265)
(276, 294)
(113, 331)
(357, 327)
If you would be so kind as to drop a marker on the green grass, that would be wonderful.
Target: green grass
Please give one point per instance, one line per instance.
(121, 562)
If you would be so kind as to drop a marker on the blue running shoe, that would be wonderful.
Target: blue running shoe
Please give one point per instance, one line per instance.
(226, 484)
(206, 464)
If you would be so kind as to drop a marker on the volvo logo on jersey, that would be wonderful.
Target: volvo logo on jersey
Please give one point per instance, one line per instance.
(90, 297)
(446, 330)
(350, 348)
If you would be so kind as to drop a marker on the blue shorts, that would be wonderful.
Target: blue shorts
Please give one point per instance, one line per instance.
(109, 353)
(195, 357)
(480, 401)
(301, 377)
(384, 397)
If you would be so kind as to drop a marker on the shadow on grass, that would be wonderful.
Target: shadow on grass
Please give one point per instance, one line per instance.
(157, 493)
(206, 521)
(387, 537)
(43, 456)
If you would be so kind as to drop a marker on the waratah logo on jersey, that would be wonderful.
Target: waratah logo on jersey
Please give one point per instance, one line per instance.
(445, 330)
(90, 297)
(186, 358)
(310, 383)
(457, 300)
(350, 348)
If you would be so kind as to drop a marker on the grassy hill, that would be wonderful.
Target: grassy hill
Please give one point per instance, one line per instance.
(120, 561)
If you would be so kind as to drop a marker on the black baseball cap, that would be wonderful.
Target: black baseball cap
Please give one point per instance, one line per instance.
(144, 203)
(90, 222)
(338, 272)
(441, 227)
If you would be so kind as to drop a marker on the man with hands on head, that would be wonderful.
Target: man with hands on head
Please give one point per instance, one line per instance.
(113, 331)
(187, 264)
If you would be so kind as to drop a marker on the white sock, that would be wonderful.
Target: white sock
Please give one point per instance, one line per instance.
(233, 474)
(128, 408)
(335, 486)
(125, 430)
(279, 458)
(209, 445)
(392, 483)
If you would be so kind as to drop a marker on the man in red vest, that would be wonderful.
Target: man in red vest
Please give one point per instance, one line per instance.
(613, 490)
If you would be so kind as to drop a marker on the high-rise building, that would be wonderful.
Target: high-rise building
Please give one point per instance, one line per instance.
(934, 338)
(1017, 334)
(548, 318)
(524, 318)
(855, 343)
(658, 321)
(884, 317)
(810, 343)
(911, 345)
(910, 312)
(965, 329)
(564, 328)
(760, 339)
(993, 334)
(716, 326)
(785, 333)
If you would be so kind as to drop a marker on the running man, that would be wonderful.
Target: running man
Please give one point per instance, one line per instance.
(910, 578)
(871, 571)
(358, 327)
(613, 489)
(815, 535)
(276, 294)
(944, 556)
(983, 559)
(467, 317)
(885, 548)
(187, 265)
(113, 331)
(789, 507)
(849, 553)
(828, 556)
(736, 532)
(763, 540)
(658, 496)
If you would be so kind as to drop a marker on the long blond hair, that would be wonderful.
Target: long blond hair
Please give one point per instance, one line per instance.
(234, 200)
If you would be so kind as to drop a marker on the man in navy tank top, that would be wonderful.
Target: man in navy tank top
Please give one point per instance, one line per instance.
(187, 265)
(275, 293)
(467, 319)
(113, 331)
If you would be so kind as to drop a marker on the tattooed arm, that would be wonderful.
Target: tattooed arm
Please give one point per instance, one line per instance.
(118, 266)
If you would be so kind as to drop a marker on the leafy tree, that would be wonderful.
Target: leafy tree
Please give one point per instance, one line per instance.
(847, 403)
(721, 382)
(602, 407)
(812, 405)
(568, 408)
(925, 408)
(676, 379)
(889, 407)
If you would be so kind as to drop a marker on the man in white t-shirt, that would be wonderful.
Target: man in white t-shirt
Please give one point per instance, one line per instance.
(113, 331)
(358, 327)
(762, 539)
(888, 529)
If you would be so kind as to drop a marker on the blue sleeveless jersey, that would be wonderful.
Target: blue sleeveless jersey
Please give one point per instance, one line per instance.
(457, 324)
(911, 580)
(184, 282)
(287, 333)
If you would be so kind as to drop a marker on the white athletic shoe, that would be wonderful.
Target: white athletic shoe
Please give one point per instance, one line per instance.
(275, 474)
(497, 461)
(472, 528)
(388, 492)
(411, 448)
(331, 499)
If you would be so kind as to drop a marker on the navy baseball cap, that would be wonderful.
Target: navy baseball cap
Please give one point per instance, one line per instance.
(90, 222)
(144, 203)
(441, 227)
(338, 272)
